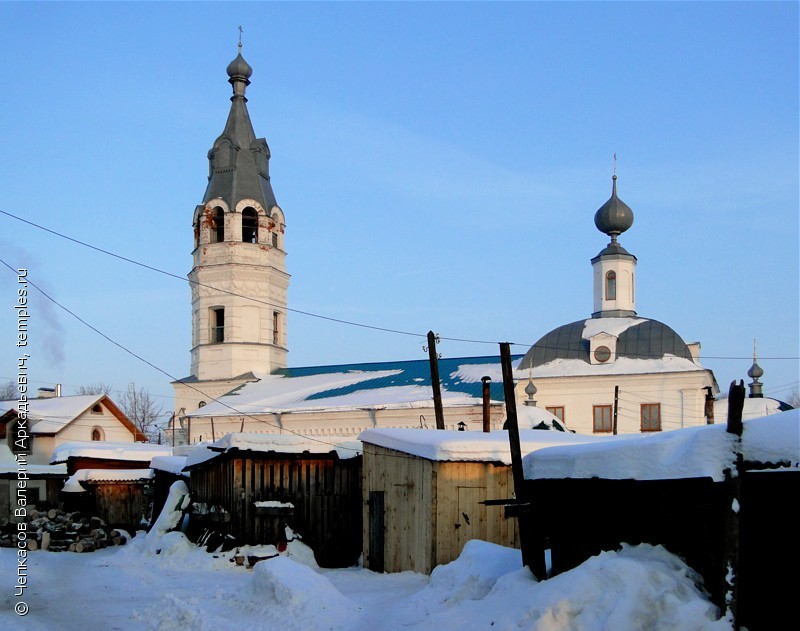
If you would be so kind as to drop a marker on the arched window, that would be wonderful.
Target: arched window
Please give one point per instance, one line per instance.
(97, 409)
(611, 286)
(201, 404)
(97, 433)
(217, 225)
(249, 225)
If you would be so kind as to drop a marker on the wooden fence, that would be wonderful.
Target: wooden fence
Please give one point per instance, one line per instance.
(320, 496)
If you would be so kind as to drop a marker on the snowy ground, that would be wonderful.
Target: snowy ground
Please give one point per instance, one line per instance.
(184, 587)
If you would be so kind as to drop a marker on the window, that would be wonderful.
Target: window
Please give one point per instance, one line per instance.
(275, 330)
(557, 411)
(217, 325)
(249, 225)
(217, 225)
(602, 354)
(97, 433)
(201, 404)
(97, 409)
(274, 239)
(602, 418)
(651, 417)
(611, 286)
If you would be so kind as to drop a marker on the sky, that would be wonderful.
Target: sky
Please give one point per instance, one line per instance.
(439, 166)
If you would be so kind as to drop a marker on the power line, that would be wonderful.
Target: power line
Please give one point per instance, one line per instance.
(317, 315)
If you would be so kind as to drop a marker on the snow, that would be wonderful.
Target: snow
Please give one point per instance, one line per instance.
(109, 451)
(186, 588)
(278, 394)
(451, 445)
(272, 504)
(345, 447)
(620, 366)
(686, 453)
(169, 464)
(73, 483)
(612, 326)
(50, 415)
(753, 408)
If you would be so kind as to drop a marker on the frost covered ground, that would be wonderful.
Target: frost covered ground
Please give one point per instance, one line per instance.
(184, 587)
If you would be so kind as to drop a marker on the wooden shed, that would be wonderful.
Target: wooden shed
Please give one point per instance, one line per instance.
(251, 486)
(121, 497)
(423, 493)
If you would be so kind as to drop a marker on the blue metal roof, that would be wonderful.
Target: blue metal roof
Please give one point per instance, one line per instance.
(415, 372)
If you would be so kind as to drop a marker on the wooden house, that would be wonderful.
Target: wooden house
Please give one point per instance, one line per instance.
(251, 486)
(423, 493)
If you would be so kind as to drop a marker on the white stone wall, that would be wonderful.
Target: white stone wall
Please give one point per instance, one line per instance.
(247, 280)
(680, 394)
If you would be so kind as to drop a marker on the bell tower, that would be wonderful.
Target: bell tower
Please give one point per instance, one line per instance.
(238, 280)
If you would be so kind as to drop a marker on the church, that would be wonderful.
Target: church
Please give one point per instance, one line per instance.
(612, 373)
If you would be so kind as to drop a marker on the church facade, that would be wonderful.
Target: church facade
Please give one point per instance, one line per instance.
(612, 373)
(617, 372)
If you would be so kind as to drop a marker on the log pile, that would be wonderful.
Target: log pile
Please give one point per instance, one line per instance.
(58, 531)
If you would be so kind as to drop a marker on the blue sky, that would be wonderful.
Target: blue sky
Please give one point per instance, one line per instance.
(439, 166)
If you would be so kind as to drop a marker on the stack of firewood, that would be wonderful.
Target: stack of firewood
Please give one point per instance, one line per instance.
(56, 530)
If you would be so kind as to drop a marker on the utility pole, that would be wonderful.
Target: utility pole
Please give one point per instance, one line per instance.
(616, 407)
(437, 388)
(485, 391)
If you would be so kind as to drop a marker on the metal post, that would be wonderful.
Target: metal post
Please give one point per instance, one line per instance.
(616, 407)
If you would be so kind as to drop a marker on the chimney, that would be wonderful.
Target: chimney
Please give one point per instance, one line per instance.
(58, 389)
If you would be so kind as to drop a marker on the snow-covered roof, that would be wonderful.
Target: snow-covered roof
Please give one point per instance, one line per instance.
(692, 452)
(109, 451)
(644, 346)
(452, 445)
(384, 385)
(345, 447)
(72, 485)
(753, 408)
(169, 464)
(52, 414)
(48, 416)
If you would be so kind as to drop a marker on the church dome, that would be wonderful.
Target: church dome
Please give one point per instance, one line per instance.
(637, 338)
(615, 216)
(239, 68)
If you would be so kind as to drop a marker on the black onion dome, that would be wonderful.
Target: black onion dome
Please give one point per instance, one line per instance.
(615, 216)
(649, 339)
(239, 68)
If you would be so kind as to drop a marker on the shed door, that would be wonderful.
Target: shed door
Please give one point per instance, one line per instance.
(376, 530)
(471, 514)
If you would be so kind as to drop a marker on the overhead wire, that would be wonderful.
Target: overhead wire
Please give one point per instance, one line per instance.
(317, 315)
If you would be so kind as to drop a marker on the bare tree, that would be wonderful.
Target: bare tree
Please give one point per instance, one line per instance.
(8, 391)
(794, 398)
(96, 388)
(139, 407)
